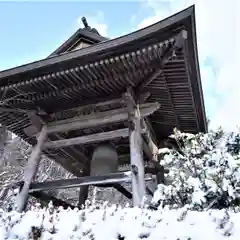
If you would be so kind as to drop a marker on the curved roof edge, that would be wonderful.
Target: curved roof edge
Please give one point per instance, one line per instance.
(180, 16)
(203, 119)
(185, 17)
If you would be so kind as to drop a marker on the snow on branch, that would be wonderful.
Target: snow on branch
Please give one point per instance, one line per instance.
(113, 222)
(205, 174)
(200, 198)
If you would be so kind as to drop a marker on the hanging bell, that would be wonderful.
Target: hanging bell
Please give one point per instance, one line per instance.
(104, 160)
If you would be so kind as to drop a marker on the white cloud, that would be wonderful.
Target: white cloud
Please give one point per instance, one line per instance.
(218, 27)
(97, 21)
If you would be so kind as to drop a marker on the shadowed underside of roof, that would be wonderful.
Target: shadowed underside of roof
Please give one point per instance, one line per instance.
(148, 60)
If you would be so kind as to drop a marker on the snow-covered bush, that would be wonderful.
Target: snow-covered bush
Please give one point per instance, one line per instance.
(117, 223)
(204, 174)
(198, 201)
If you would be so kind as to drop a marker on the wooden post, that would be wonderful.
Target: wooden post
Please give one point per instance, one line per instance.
(136, 153)
(83, 193)
(31, 170)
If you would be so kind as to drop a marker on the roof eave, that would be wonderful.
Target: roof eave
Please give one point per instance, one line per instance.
(102, 46)
(203, 120)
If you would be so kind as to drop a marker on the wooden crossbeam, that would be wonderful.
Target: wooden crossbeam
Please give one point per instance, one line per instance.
(112, 178)
(97, 119)
(37, 122)
(97, 137)
(45, 198)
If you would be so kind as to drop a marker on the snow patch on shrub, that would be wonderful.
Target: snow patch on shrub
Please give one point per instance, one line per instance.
(204, 174)
(113, 222)
(200, 200)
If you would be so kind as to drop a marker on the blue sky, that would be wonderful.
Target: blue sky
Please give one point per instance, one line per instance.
(32, 30)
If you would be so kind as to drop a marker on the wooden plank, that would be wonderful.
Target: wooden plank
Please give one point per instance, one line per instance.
(82, 181)
(45, 198)
(31, 170)
(98, 119)
(112, 178)
(97, 137)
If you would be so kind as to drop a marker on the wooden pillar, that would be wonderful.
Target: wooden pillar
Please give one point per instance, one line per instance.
(136, 154)
(83, 193)
(31, 170)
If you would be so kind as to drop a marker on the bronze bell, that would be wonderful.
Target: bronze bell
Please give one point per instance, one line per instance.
(104, 160)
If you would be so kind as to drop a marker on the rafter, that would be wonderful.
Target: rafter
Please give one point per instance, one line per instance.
(167, 55)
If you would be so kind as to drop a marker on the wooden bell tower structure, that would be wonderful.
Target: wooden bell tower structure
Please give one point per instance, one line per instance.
(128, 93)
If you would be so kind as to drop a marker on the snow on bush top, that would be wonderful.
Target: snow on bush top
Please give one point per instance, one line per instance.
(199, 200)
(114, 223)
(205, 172)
